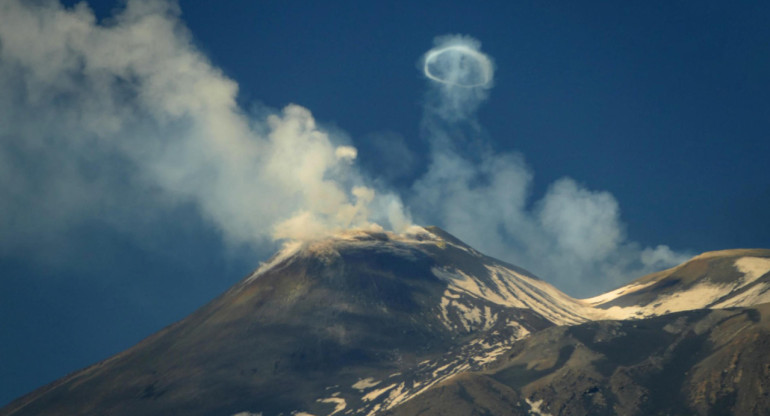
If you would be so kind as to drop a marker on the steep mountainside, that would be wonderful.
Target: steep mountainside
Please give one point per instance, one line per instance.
(363, 320)
(372, 323)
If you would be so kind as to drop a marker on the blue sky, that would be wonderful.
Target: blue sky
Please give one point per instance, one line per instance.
(657, 113)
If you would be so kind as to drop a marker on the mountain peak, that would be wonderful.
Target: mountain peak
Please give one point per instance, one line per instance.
(404, 311)
(329, 245)
(366, 320)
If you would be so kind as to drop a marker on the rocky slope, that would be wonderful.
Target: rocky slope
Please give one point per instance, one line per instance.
(706, 362)
(361, 321)
(376, 323)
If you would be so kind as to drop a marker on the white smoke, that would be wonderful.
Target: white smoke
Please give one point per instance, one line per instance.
(460, 76)
(123, 122)
(572, 236)
(117, 122)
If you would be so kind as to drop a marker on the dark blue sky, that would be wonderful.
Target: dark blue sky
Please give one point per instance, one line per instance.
(666, 105)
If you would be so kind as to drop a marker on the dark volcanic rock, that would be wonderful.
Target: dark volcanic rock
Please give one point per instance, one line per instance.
(297, 335)
(373, 323)
(690, 363)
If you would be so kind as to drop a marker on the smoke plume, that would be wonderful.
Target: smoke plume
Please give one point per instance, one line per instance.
(125, 121)
(572, 236)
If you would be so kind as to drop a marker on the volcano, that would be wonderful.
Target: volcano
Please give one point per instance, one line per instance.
(370, 323)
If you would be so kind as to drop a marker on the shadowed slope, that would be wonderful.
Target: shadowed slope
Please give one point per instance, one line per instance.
(303, 331)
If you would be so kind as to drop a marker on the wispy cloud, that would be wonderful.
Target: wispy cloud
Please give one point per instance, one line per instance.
(572, 236)
(122, 121)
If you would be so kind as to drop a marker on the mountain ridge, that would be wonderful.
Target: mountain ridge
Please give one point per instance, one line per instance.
(362, 322)
(725, 278)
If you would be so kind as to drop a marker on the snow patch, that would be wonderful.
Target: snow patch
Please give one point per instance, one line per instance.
(514, 290)
(701, 295)
(491, 356)
(469, 316)
(396, 396)
(374, 394)
(363, 384)
(339, 404)
(534, 407)
(757, 294)
(697, 297)
(449, 294)
(614, 294)
(489, 318)
(752, 268)
(538, 296)
(441, 369)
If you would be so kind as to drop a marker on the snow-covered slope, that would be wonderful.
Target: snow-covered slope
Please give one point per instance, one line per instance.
(468, 275)
(487, 304)
(719, 279)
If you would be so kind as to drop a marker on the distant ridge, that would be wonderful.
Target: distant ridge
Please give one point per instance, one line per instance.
(718, 279)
